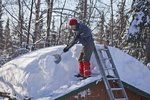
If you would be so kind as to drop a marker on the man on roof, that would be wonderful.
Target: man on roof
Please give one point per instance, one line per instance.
(83, 35)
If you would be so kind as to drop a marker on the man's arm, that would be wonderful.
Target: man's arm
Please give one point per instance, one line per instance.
(73, 42)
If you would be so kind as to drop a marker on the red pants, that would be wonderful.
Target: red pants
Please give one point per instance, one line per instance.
(85, 69)
(84, 61)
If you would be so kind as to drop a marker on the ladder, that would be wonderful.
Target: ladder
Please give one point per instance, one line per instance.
(113, 84)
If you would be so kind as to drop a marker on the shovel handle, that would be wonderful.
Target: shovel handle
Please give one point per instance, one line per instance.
(61, 53)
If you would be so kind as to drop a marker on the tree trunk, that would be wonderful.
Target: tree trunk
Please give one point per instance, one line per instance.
(61, 23)
(28, 34)
(81, 9)
(7, 37)
(147, 52)
(121, 23)
(20, 23)
(49, 18)
(37, 33)
(112, 22)
(1, 28)
(85, 11)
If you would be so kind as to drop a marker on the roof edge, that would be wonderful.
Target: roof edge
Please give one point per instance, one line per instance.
(130, 87)
(138, 91)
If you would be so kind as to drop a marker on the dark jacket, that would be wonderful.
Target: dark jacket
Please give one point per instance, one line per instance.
(83, 35)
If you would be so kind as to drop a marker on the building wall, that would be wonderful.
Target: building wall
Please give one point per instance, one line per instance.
(98, 92)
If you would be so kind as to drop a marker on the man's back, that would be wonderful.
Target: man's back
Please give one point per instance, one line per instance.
(85, 34)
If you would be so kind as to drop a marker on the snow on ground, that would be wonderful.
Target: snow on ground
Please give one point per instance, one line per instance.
(36, 75)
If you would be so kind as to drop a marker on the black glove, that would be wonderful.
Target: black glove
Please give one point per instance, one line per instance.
(65, 49)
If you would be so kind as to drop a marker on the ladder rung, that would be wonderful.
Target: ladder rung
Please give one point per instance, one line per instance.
(112, 78)
(103, 49)
(116, 89)
(105, 55)
(107, 58)
(121, 99)
(107, 68)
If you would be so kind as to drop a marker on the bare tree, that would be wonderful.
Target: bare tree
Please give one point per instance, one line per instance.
(28, 34)
(84, 10)
(49, 19)
(37, 33)
(80, 7)
(112, 22)
(20, 23)
(61, 22)
(120, 24)
(100, 34)
(1, 27)
(7, 37)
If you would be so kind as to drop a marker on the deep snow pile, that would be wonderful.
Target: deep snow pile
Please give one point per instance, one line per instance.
(36, 75)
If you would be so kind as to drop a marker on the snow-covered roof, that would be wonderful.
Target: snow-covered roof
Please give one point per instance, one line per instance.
(36, 75)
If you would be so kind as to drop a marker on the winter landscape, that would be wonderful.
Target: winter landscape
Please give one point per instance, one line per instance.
(37, 75)
(41, 42)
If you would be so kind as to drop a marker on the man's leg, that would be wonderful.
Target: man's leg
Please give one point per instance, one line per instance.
(86, 60)
(81, 72)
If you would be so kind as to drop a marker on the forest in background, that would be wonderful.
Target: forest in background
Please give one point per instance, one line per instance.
(28, 25)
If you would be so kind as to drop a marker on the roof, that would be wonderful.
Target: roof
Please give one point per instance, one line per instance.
(132, 88)
(36, 75)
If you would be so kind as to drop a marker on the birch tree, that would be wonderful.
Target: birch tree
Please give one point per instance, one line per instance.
(29, 25)
(1, 28)
(112, 23)
(49, 19)
(7, 46)
(37, 34)
(20, 22)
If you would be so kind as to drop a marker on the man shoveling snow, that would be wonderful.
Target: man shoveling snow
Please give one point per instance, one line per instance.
(82, 35)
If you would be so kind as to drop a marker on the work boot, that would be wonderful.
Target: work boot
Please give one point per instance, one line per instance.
(86, 69)
(78, 75)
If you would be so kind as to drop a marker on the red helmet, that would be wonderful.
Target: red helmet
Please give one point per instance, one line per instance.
(73, 21)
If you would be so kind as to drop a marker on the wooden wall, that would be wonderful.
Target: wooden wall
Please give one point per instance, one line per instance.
(98, 92)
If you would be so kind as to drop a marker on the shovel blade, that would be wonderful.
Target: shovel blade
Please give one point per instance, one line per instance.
(57, 58)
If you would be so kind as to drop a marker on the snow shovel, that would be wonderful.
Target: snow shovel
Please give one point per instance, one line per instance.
(57, 58)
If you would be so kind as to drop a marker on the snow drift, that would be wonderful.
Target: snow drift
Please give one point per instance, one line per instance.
(36, 75)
